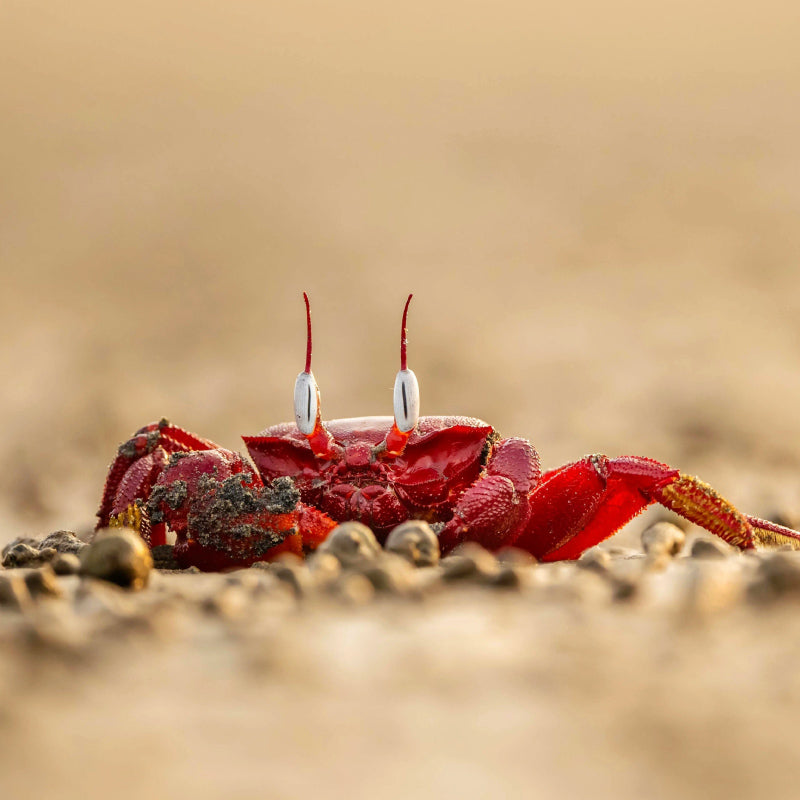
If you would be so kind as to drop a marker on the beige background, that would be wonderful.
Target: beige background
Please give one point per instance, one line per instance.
(595, 205)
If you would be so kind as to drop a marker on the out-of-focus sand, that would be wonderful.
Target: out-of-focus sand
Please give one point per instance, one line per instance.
(595, 205)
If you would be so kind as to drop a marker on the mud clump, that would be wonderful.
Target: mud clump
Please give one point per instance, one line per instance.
(230, 515)
(174, 496)
(23, 554)
(30, 552)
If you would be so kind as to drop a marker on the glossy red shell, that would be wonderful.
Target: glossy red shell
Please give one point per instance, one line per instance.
(362, 481)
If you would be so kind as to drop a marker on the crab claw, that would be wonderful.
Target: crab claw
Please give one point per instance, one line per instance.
(137, 467)
(222, 514)
(237, 521)
(182, 477)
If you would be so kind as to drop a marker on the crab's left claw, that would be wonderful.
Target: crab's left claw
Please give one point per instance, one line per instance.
(134, 472)
(232, 523)
(222, 514)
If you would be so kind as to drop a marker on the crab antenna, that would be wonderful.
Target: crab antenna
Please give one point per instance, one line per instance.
(308, 339)
(403, 335)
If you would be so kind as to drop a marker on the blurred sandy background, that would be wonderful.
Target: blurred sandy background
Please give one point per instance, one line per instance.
(596, 207)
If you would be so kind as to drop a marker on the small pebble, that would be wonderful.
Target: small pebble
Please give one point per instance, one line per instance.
(509, 576)
(230, 602)
(580, 586)
(247, 579)
(19, 540)
(712, 586)
(594, 559)
(27, 552)
(469, 562)
(428, 580)
(14, 593)
(21, 555)
(353, 588)
(617, 551)
(416, 542)
(118, 555)
(43, 583)
(391, 574)
(55, 630)
(352, 543)
(95, 597)
(663, 538)
(294, 573)
(708, 548)
(515, 557)
(63, 542)
(324, 568)
(66, 564)
(778, 576)
(624, 589)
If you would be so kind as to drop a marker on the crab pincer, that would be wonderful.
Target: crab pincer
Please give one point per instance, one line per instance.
(220, 511)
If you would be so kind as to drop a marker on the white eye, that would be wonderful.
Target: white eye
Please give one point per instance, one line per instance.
(406, 400)
(306, 402)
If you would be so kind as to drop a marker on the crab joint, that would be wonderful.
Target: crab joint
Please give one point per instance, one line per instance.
(131, 517)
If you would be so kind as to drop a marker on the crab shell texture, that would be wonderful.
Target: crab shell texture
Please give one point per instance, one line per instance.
(361, 480)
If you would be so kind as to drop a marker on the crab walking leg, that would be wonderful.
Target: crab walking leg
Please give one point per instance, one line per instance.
(770, 534)
(495, 507)
(581, 504)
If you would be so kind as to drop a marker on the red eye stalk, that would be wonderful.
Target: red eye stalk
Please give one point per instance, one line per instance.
(308, 339)
(403, 335)
(306, 402)
(406, 397)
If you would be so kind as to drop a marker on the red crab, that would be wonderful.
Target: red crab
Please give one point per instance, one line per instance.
(454, 472)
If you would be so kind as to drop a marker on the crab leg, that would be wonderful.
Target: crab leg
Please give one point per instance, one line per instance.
(493, 508)
(579, 505)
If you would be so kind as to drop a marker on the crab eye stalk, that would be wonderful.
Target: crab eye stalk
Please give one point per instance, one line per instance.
(406, 396)
(306, 402)
(406, 400)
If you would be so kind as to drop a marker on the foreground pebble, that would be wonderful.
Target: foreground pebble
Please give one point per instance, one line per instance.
(66, 564)
(707, 548)
(469, 562)
(663, 539)
(14, 593)
(353, 543)
(118, 555)
(351, 569)
(416, 542)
